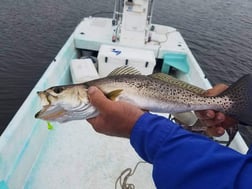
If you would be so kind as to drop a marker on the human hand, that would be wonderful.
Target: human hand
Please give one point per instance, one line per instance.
(115, 118)
(216, 122)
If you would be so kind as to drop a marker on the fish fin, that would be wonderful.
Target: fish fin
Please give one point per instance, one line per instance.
(125, 70)
(174, 81)
(240, 93)
(113, 94)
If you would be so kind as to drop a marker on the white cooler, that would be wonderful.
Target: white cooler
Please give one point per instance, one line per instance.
(112, 57)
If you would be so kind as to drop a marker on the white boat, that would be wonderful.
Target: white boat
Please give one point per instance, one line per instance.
(73, 155)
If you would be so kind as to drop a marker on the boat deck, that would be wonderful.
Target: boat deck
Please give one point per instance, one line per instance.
(66, 160)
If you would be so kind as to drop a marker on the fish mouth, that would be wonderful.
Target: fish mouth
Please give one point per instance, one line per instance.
(50, 113)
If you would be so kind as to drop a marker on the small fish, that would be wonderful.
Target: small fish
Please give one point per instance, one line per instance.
(156, 93)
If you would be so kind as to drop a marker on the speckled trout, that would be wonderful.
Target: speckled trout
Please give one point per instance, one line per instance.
(156, 93)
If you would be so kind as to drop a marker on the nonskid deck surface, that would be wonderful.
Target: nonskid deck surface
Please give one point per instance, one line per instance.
(75, 156)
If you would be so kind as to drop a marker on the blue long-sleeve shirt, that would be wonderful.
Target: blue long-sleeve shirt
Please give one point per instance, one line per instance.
(182, 159)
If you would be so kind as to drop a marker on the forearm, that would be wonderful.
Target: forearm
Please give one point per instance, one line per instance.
(185, 160)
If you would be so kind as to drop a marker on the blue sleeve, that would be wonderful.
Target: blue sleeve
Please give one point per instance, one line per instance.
(185, 160)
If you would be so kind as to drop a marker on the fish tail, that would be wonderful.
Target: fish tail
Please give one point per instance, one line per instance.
(240, 100)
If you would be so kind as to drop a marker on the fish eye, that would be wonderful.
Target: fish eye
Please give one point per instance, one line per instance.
(58, 90)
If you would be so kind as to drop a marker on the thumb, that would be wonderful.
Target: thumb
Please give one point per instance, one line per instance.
(216, 90)
(97, 98)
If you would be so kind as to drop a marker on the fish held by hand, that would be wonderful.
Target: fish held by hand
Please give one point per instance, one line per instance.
(156, 93)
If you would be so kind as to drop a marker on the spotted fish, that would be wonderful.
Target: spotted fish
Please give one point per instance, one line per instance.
(156, 93)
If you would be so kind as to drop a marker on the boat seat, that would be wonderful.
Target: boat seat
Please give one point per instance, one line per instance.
(176, 60)
(83, 70)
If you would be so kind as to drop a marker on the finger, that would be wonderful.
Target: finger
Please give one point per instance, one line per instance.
(216, 120)
(216, 131)
(92, 121)
(229, 122)
(98, 99)
(221, 120)
(217, 89)
(205, 114)
(217, 127)
(97, 123)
